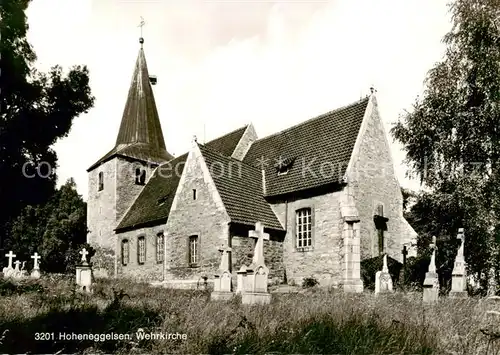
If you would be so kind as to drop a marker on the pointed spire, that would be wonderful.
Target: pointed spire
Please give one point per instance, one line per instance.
(140, 121)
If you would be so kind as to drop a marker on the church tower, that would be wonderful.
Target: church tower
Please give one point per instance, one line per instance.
(118, 177)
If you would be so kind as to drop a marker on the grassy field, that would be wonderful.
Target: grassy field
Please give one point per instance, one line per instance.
(316, 321)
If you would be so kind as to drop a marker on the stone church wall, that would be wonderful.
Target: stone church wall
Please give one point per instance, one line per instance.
(204, 217)
(101, 211)
(151, 269)
(242, 254)
(374, 182)
(323, 260)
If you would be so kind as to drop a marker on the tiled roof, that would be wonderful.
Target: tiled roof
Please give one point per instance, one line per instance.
(319, 148)
(155, 200)
(163, 185)
(240, 188)
(140, 135)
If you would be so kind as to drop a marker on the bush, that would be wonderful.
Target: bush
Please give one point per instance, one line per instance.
(309, 282)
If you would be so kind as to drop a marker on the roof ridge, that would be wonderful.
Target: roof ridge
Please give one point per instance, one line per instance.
(314, 118)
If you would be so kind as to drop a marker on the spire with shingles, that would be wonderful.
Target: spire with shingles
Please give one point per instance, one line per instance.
(140, 135)
(140, 121)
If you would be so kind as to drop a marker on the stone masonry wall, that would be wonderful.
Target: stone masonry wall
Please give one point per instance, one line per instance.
(101, 211)
(245, 142)
(204, 217)
(323, 260)
(126, 188)
(242, 254)
(374, 182)
(151, 270)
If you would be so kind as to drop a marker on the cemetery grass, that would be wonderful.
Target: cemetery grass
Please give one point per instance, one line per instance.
(315, 321)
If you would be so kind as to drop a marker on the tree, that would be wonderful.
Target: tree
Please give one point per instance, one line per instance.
(452, 135)
(56, 230)
(36, 109)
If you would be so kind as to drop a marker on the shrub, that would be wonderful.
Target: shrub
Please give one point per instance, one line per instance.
(309, 282)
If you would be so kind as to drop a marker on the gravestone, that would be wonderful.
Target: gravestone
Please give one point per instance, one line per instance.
(222, 281)
(241, 274)
(383, 280)
(431, 281)
(257, 274)
(17, 274)
(35, 273)
(84, 277)
(9, 270)
(459, 274)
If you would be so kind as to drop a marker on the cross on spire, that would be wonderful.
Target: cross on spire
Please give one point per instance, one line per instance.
(141, 24)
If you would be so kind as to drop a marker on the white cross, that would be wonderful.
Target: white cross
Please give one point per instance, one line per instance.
(35, 257)
(11, 256)
(258, 233)
(17, 263)
(224, 262)
(84, 254)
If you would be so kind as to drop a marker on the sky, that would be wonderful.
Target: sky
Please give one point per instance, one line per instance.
(222, 64)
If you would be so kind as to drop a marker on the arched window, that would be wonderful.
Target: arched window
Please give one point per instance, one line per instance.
(160, 243)
(140, 176)
(101, 181)
(303, 228)
(141, 250)
(125, 252)
(137, 175)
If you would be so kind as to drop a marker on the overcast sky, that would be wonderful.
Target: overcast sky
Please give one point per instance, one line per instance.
(223, 64)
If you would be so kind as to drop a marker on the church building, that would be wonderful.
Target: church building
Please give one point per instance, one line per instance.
(325, 191)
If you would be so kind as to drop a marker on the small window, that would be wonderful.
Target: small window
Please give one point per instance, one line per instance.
(303, 228)
(160, 243)
(140, 176)
(193, 250)
(194, 194)
(101, 181)
(141, 250)
(125, 252)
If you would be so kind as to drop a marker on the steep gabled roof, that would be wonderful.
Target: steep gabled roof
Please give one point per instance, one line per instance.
(140, 133)
(317, 151)
(240, 188)
(154, 202)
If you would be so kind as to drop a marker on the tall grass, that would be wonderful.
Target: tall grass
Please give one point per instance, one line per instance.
(317, 321)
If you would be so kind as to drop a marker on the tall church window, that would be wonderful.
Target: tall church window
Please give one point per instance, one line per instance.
(141, 250)
(303, 228)
(160, 243)
(193, 250)
(125, 252)
(101, 181)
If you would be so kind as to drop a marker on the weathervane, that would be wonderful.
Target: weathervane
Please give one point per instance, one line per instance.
(141, 24)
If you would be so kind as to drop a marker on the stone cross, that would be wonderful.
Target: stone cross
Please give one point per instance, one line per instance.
(17, 263)
(35, 257)
(405, 253)
(84, 254)
(432, 265)
(381, 225)
(461, 236)
(11, 256)
(224, 262)
(384, 267)
(260, 236)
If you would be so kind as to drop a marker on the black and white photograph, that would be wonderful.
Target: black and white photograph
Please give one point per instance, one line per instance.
(250, 177)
